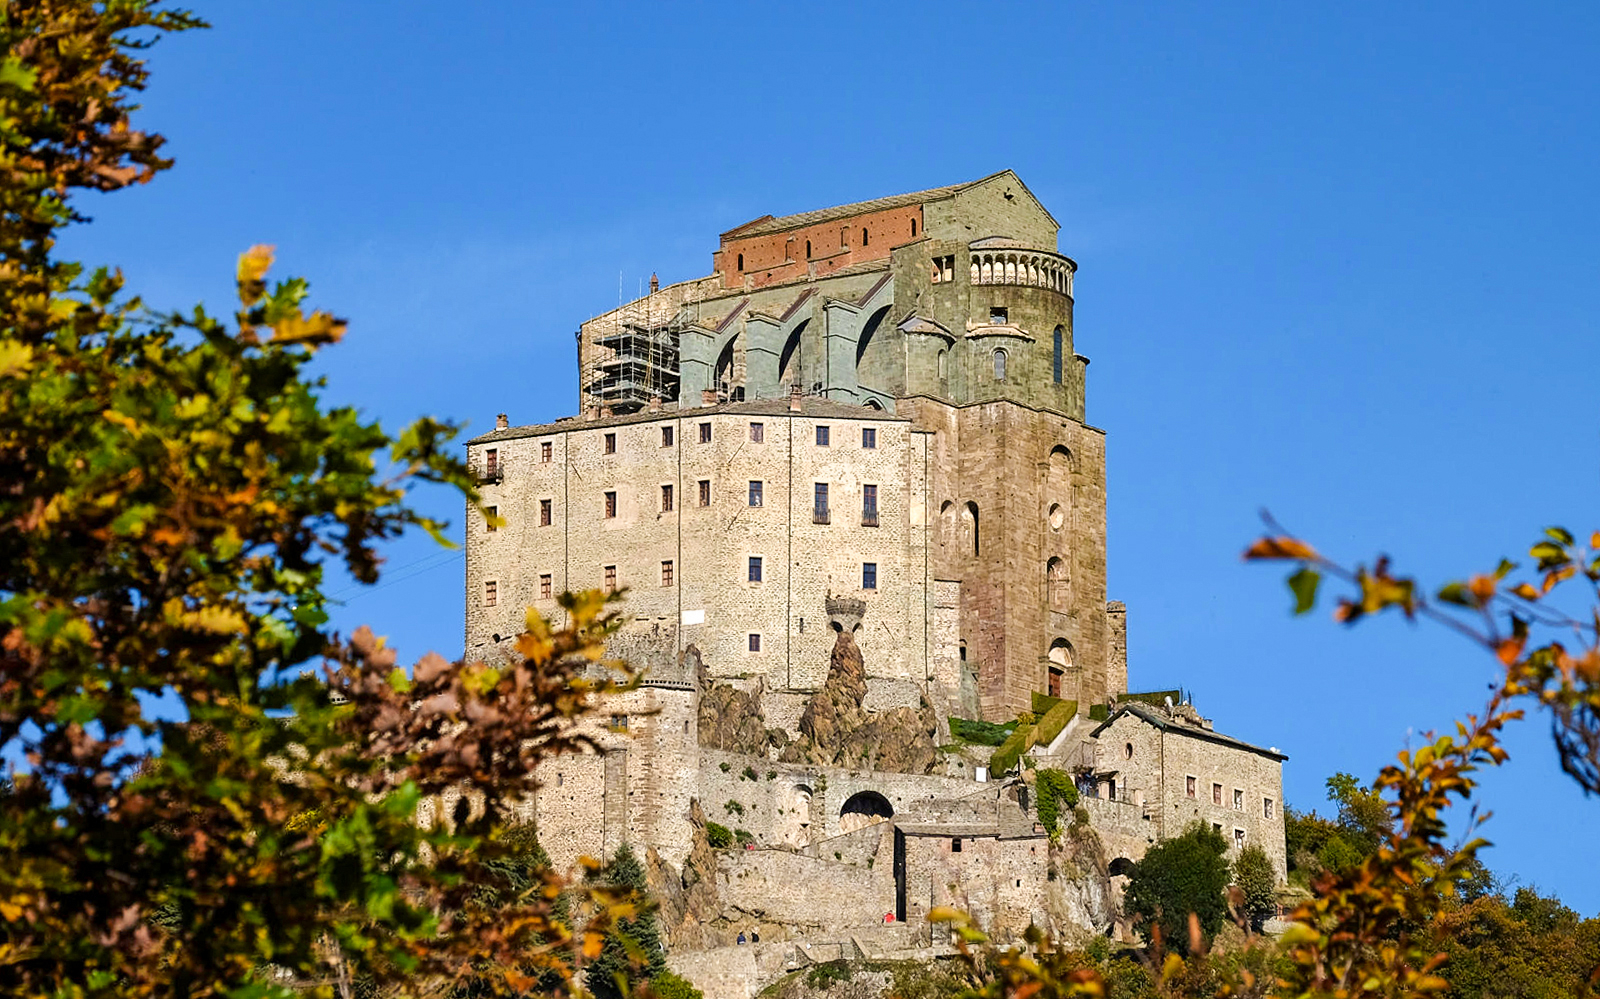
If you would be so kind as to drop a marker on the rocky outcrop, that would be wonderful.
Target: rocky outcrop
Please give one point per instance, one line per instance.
(731, 719)
(835, 730)
(689, 899)
(1080, 898)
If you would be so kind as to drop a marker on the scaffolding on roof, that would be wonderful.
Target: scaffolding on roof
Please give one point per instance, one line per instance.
(635, 359)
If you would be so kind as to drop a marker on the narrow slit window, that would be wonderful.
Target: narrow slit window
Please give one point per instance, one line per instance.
(490, 513)
(666, 499)
(869, 505)
(819, 506)
(611, 444)
(755, 642)
(545, 512)
(611, 505)
(611, 578)
(705, 492)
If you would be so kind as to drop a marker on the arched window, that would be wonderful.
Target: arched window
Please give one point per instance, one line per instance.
(947, 523)
(913, 228)
(1060, 658)
(1057, 362)
(863, 235)
(1056, 581)
(969, 527)
(741, 261)
(808, 249)
(941, 364)
(999, 365)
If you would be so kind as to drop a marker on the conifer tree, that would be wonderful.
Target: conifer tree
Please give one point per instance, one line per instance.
(632, 953)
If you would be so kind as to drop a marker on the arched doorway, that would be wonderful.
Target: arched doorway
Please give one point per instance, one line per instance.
(862, 809)
(1060, 661)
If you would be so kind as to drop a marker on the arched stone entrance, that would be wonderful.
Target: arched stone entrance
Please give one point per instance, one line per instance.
(862, 809)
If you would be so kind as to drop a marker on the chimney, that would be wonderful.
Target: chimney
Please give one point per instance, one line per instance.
(655, 404)
(655, 283)
(708, 397)
(500, 422)
(794, 398)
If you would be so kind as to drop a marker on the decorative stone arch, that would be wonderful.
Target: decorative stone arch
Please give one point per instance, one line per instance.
(790, 358)
(868, 329)
(873, 404)
(862, 809)
(1058, 662)
(1120, 868)
(970, 538)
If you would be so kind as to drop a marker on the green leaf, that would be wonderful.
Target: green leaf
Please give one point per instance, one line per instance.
(1559, 534)
(1457, 593)
(1304, 585)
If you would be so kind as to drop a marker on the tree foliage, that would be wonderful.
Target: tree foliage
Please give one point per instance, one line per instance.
(194, 814)
(1257, 885)
(632, 952)
(1179, 878)
(1056, 791)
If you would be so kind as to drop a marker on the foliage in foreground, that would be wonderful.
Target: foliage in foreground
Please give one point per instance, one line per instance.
(1177, 880)
(193, 814)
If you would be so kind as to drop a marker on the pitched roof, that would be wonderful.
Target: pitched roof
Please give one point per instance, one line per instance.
(767, 224)
(1159, 720)
(810, 406)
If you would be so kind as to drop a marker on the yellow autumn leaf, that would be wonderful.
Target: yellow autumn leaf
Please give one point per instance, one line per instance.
(217, 620)
(15, 358)
(253, 266)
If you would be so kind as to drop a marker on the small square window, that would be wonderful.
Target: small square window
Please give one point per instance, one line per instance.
(705, 492)
(758, 433)
(869, 575)
(1189, 786)
(755, 492)
(754, 574)
(544, 586)
(998, 315)
(489, 515)
(611, 444)
(955, 844)
(666, 499)
(611, 505)
(666, 436)
(822, 437)
(869, 437)
(755, 642)
(619, 722)
(546, 451)
(491, 593)
(611, 578)
(666, 574)
(545, 512)
(705, 433)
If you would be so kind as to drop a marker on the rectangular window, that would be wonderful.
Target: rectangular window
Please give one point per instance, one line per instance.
(819, 507)
(666, 499)
(869, 505)
(666, 436)
(490, 513)
(869, 437)
(491, 462)
(758, 433)
(1189, 783)
(611, 443)
(705, 492)
(1266, 808)
(1238, 839)
(822, 437)
(705, 433)
(1238, 800)
(869, 575)
(755, 642)
(611, 505)
(611, 578)
(619, 723)
(491, 593)
(754, 574)
(544, 586)
(1216, 794)
(997, 315)
(955, 845)
(546, 451)
(755, 492)
(666, 574)
(545, 512)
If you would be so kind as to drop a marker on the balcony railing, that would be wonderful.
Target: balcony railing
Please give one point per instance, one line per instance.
(869, 518)
(488, 471)
(819, 515)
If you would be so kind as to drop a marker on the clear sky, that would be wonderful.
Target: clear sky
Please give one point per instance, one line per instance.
(1338, 260)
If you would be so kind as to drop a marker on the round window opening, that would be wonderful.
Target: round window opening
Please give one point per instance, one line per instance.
(1057, 516)
(1127, 751)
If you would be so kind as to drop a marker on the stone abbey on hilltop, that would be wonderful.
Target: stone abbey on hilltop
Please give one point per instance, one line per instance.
(849, 484)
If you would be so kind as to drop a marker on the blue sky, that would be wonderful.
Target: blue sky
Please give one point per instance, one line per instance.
(1335, 260)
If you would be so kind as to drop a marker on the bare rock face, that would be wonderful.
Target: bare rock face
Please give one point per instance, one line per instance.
(689, 900)
(731, 720)
(836, 731)
(1080, 900)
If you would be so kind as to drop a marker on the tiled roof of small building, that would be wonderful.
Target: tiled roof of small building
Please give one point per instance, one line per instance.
(1160, 720)
(761, 227)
